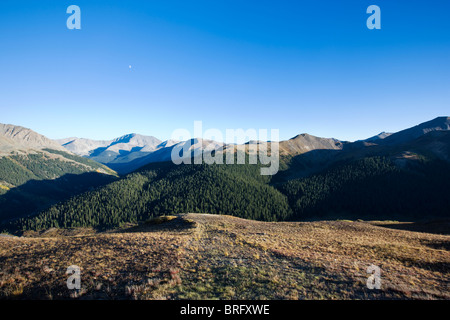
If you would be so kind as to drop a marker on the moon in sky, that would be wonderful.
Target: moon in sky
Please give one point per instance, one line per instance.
(129, 67)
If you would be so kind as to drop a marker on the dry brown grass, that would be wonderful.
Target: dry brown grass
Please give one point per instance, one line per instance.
(222, 257)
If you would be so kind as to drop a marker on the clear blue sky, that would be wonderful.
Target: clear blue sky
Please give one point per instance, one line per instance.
(297, 66)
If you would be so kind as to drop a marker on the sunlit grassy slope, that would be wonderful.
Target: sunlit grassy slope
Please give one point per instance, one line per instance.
(203, 256)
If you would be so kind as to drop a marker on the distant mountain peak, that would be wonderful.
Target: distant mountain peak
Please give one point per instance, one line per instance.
(136, 139)
(382, 135)
(20, 138)
(300, 135)
(437, 124)
(122, 149)
(305, 142)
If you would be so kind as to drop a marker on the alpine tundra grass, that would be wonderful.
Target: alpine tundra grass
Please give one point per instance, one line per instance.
(203, 256)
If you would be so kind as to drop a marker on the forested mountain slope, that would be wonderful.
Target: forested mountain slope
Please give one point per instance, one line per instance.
(409, 180)
(35, 172)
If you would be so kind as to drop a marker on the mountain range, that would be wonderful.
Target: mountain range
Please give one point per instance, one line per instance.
(129, 152)
(71, 182)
